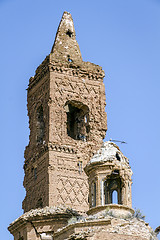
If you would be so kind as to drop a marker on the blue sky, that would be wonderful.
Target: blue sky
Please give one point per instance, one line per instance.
(121, 36)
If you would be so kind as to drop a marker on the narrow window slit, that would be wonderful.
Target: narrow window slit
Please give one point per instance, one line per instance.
(115, 197)
(35, 173)
(93, 194)
(118, 157)
(80, 166)
(40, 125)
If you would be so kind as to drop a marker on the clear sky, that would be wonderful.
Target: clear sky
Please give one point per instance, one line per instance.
(123, 36)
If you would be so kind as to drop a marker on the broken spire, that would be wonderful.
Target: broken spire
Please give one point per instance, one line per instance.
(65, 47)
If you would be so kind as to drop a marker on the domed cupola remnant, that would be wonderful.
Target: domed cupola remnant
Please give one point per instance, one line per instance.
(109, 177)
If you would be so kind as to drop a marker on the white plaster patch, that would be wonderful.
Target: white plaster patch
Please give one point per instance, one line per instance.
(45, 236)
(69, 24)
(108, 153)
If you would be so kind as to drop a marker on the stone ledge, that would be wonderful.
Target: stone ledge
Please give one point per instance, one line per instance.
(41, 214)
(82, 224)
(116, 209)
(93, 71)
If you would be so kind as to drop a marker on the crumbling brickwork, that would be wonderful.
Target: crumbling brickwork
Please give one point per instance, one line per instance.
(67, 120)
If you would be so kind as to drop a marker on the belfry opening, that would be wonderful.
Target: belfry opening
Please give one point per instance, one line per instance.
(77, 120)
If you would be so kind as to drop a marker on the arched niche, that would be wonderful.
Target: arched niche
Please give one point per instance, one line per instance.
(112, 189)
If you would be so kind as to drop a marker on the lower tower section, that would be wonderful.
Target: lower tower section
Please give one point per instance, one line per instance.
(67, 180)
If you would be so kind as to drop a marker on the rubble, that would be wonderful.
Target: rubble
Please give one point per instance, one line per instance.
(47, 211)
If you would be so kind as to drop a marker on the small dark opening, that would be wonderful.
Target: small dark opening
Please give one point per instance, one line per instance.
(69, 59)
(80, 166)
(39, 203)
(35, 173)
(21, 238)
(118, 157)
(115, 172)
(69, 33)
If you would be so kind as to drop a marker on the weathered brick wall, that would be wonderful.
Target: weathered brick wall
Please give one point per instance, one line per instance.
(36, 156)
(36, 184)
(132, 229)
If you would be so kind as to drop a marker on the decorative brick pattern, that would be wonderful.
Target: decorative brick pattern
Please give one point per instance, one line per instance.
(72, 191)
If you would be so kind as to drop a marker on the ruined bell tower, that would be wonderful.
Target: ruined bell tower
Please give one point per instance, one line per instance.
(77, 187)
(67, 121)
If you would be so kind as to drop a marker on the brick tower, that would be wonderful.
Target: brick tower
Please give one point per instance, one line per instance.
(67, 121)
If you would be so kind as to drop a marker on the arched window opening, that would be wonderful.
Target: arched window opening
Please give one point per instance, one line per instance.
(40, 125)
(113, 189)
(118, 157)
(77, 120)
(93, 194)
(115, 197)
